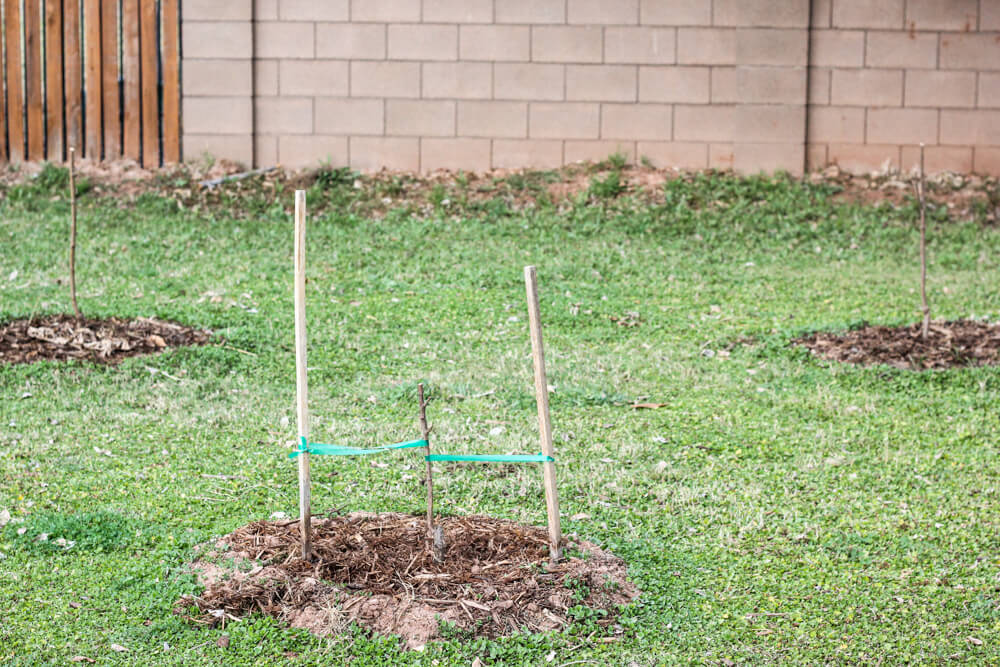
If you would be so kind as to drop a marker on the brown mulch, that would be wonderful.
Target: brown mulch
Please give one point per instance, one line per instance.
(948, 345)
(63, 337)
(378, 570)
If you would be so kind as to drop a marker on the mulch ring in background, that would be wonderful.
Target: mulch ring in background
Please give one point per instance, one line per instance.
(376, 570)
(948, 345)
(62, 337)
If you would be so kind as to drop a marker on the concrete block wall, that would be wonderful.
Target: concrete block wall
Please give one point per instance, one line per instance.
(887, 75)
(476, 84)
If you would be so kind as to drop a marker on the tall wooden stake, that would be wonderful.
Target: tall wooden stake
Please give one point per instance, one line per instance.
(428, 476)
(923, 249)
(544, 424)
(301, 374)
(72, 231)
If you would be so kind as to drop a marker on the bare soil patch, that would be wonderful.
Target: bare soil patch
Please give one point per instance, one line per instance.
(948, 345)
(378, 571)
(63, 337)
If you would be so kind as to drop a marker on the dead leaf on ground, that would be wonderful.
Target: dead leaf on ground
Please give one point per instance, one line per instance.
(975, 641)
(81, 658)
(648, 406)
(579, 517)
(119, 648)
(223, 641)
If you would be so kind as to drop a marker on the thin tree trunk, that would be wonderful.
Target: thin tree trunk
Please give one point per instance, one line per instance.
(72, 231)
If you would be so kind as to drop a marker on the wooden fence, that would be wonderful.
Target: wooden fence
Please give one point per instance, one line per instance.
(102, 76)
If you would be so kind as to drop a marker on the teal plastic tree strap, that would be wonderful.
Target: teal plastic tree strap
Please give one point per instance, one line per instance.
(492, 458)
(337, 450)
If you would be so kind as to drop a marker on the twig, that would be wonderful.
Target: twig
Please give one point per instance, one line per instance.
(236, 349)
(428, 473)
(72, 231)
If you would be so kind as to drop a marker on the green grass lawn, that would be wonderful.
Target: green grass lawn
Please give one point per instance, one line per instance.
(777, 509)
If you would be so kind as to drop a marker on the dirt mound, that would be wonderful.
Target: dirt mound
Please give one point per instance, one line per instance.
(62, 337)
(379, 572)
(948, 344)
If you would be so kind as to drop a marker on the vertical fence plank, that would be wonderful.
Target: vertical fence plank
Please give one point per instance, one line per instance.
(72, 75)
(54, 80)
(132, 102)
(33, 82)
(109, 79)
(148, 47)
(15, 96)
(171, 82)
(3, 101)
(92, 77)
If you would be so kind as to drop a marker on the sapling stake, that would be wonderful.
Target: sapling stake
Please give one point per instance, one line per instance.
(301, 373)
(435, 535)
(923, 248)
(72, 232)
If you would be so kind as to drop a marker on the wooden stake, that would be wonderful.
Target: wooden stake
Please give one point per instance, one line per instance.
(301, 374)
(923, 250)
(428, 476)
(72, 231)
(544, 424)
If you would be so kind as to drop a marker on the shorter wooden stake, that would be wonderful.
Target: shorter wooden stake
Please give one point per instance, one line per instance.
(301, 374)
(72, 232)
(434, 534)
(544, 423)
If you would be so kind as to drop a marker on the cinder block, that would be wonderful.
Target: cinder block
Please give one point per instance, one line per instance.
(386, 11)
(601, 83)
(759, 85)
(217, 115)
(469, 81)
(771, 123)
(938, 159)
(595, 151)
(989, 19)
(423, 42)
(224, 40)
(674, 84)
(283, 115)
(867, 87)
(868, 14)
(705, 123)
(720, 156)
(647, 46)
(935, 88)
(311, 10)
(902, 126)
(863, 158)
(313, 77)
(837, 48)
(989, 90)
(819, 85)
(374, 153)
(822, 15)
(978, 127)
(527, 153)
(528, 81)
(420, 118)
(465, 154)
(943, 14)
(901, 49)
(265, 150)
(362, 41)
(815, 156)
(841, 125)
(213, 10)
(603, 12)
(757, 13)
(385, 79)
(264, 10)
(675, 12)
(986, 161)
(531, 11)
(674, 154)
(754, 158)
(494, 42)
(351, 116)
(636, 121)
(493, 119)
(265, 74)
(566, 44)
(217, 77)
(277, 39)
(741, 46)
(970, 51)
(458, 11)
(564, 120)
(312, 151)
(235, 147)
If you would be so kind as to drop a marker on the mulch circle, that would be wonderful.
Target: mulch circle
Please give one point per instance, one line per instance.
(948, 345)
(63, 337)
(378, 571)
